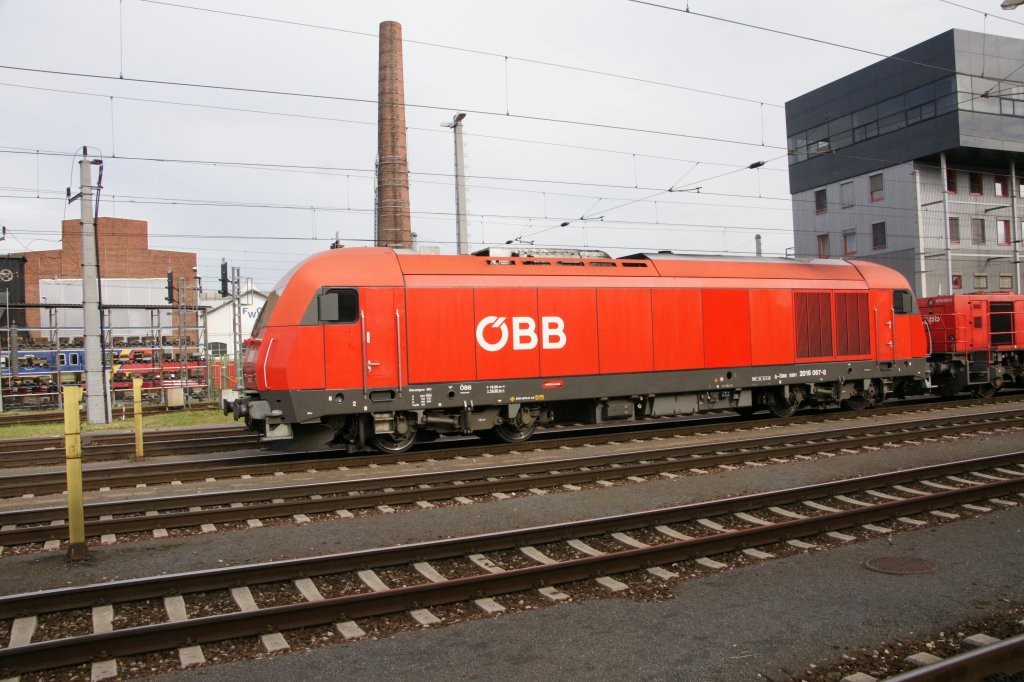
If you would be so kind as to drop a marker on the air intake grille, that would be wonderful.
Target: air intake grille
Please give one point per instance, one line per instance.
(853, 335)
(813, 324)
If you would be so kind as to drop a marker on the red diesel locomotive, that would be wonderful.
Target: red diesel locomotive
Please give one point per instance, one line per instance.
(369, 347)
(975, 341)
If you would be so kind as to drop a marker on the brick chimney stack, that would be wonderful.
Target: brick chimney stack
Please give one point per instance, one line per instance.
(394, 227)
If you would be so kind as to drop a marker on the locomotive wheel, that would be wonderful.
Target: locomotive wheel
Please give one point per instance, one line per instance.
(513, 433)
(863, 400)
(858, 402)
(780, 406)
(391, 442)
(985, 391)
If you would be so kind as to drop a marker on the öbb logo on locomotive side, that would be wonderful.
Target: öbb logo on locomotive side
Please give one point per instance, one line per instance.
(523, 333)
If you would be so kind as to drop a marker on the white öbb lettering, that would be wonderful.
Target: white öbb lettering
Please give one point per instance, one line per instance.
(524, 333)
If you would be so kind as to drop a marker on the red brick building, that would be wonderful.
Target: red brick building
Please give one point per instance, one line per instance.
(123, 253)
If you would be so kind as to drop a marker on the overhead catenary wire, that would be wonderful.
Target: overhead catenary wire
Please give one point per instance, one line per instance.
(586, 184)
(364, 100)
(505, 58)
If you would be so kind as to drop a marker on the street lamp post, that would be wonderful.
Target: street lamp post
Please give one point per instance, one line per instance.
(461, 228)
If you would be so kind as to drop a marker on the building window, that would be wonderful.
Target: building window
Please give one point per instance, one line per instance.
(849, 242)
(1005, 282)
(823, 251)
(977, 230)
(1002, 185)
(877, 192)
(954, 230)
(878, 236)
(974, 179)
(958, 282)
(1003, 231)
(980, 282)
(821, 202)
(846, 194)
(951, 181)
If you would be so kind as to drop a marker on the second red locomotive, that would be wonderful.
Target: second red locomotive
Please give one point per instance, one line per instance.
(369, 347)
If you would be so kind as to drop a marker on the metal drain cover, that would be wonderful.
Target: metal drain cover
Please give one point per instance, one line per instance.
(900, 565)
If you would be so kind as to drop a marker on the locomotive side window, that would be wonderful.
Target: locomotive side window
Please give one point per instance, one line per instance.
(339, 306)
(903, 302)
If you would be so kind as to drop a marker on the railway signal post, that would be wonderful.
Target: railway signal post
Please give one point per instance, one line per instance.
(77, 549)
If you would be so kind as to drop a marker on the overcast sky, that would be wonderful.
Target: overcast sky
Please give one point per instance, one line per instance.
(584, 112)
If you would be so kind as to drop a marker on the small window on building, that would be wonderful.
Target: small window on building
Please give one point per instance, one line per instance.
(1006, 282)
(951, 181)
(217, 348)
(977, 230)
(878, 236)
(980, 282)
(823, 251)
(849, 242)
(846, 194)
(958, 282)
(1002, 186)
(877, 190)
(1003, 231)
(954, 230)
(974, 179)
(821, 201)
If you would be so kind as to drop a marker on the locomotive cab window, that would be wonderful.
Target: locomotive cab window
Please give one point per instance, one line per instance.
(903, 302)
(338, 306)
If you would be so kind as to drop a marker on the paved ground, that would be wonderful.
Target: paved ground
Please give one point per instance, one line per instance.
(764, 621)
(770, 619)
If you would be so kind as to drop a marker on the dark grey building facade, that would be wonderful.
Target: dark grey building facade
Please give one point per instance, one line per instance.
(916, 162)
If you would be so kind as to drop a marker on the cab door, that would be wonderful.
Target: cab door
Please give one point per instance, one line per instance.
(885, 336)
(979, 325)
(382, 318)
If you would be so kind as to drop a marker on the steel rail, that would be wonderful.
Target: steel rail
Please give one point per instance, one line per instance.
(1006, 657)
(54, 482)
(53, 447)
(136, 640)
(56, 416)
(44, 444)
(400, 489)
(217, 578)
(194, 443)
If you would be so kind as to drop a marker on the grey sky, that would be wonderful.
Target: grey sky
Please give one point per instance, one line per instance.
(526, 175)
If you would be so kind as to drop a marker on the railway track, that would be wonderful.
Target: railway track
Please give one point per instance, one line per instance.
(434, 582)
(23, 452)
(56, 417)
(46, 451)
(252, 506)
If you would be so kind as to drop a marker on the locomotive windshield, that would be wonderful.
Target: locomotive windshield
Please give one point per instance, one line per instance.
(264, 316)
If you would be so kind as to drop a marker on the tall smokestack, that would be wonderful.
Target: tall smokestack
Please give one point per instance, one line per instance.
(394, 226)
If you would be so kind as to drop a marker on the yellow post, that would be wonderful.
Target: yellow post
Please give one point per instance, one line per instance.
(137, 397)
(77, 549)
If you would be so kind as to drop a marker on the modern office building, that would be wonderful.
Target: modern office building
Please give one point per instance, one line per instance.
(916, 162)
